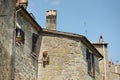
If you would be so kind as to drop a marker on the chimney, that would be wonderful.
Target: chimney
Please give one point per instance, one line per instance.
(51, 20)
(20, 3)
(101, 39)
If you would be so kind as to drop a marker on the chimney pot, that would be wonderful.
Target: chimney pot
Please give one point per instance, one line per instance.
(51, 16)
(23, 3)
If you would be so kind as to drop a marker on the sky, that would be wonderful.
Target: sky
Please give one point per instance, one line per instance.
(90, 18)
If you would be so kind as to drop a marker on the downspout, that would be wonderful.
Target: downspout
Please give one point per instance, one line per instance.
(14, 34)
(104, 61)
(116, 69)
(16, 22)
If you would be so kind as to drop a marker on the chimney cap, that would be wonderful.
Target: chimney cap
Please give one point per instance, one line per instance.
(51, 13)
(20, 3)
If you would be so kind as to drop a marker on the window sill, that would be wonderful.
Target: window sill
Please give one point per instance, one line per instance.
(19, 43)
(34, 55)
(91, 74)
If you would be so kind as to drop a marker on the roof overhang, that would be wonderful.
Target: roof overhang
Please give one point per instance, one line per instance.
(92, 48)
(98, 43)
(30, 19)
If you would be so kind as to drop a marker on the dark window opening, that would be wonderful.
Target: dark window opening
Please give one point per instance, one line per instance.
(19, 39)
(90, 63)
(34, 45)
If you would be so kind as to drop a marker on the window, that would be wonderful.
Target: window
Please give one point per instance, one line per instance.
(19, 39)
(34, 45)
(90, 63)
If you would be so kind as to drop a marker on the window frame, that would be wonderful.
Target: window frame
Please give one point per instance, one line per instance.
(90, 63)
(34, 45)
(19, 37)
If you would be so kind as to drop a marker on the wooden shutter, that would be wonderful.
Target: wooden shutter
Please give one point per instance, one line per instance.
(88, 60)
(87, 55)
(93, 64)
(34, 42)
(22, 34)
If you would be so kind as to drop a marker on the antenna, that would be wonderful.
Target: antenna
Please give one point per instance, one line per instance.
(86, 32)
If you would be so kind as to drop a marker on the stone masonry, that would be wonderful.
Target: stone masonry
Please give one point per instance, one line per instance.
(7, 24)
(67, 57)
(108, 70)
(101, 46)
(16, 61)
(66, 52)
(114, 71)
(25, 65)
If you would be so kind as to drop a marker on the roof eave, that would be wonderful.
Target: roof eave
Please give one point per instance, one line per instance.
(32, 21)
(92, 48)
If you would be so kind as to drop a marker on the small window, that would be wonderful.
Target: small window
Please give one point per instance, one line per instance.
(34, 45)
(19, 39)
(90, 63)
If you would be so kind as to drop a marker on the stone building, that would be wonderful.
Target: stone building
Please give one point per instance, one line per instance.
(19, 47)
(108, 70)
(71, 56)
(6, 38)
(29, 52)
(101, 46)
(27, 44)
(114, 71)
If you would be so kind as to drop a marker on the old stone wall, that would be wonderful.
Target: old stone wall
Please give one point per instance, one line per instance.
(67, 59)
(3, 62)
(108, 70)
(103, 64)
(7, 17)
(25, 65)
(114, 72)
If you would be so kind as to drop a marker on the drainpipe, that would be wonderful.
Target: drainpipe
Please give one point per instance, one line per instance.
(16, 22)
(14, 34)
(116, 69)
(104, 61)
